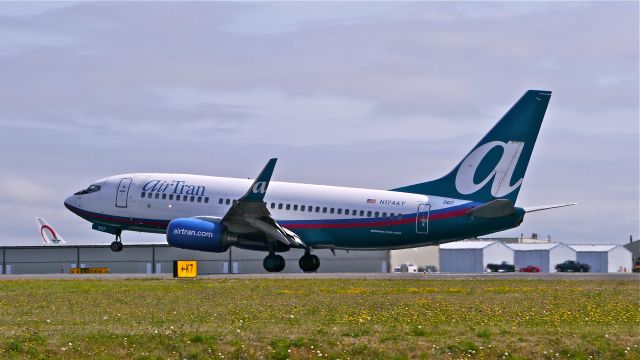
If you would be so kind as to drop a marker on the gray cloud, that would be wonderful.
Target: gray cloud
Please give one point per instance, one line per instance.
(373, 95)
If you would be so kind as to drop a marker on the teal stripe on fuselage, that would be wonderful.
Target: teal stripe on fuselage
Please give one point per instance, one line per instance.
(401, 236)
(398, 234)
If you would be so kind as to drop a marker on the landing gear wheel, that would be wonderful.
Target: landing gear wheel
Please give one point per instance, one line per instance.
(309, 263)
(273, 263)
(116, 246)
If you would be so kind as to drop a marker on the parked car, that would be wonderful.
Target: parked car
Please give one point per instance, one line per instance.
(530, 268)
(573, 266)
(636, 266)
(430, 269)
(410, 268)
(502, 267)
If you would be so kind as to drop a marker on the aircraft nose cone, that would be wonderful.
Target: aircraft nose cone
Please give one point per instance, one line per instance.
(68, 202)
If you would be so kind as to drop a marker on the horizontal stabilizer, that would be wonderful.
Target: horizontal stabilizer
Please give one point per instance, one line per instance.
(547, 207)
(493, 209)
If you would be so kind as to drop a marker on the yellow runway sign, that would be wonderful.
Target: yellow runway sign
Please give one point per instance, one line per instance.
(96, 270)
(185, 268)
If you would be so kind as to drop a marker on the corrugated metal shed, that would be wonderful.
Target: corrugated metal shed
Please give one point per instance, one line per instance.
(530, 247)
(596, 248)
(604, 258)
(467, 244)
(543, 255)
(472, 256)
(157, 258)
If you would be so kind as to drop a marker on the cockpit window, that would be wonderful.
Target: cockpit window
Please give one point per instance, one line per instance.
(89, 190)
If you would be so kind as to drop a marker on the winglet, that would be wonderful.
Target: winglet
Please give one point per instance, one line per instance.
(259, 187)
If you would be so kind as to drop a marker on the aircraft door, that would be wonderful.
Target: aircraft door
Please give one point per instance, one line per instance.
(123, 192)
(422, 218)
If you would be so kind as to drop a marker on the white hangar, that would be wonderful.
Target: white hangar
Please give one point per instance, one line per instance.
(543, 255)
(604, 258)
(473, 256)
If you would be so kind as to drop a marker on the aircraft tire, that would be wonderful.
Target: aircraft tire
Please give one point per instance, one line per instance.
(309, 263)
(316, 262)
(116, 246)
(273, 263)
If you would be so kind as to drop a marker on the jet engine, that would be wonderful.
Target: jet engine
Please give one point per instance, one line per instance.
(196, 234)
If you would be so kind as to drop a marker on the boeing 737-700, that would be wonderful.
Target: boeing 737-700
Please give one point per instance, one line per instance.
(213, 213)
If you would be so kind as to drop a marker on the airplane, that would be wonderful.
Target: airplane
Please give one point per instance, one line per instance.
(209, 213)
(49, 236)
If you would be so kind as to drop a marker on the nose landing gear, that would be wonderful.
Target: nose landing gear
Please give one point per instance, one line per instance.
(116, 245)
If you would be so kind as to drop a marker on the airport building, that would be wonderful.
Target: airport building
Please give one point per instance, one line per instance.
(473, 256)
(543, 255)
(158, 258)
(604, 258)
(470, 256)
(426, 258)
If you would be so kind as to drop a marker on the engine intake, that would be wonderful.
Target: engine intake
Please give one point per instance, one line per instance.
(195, 234)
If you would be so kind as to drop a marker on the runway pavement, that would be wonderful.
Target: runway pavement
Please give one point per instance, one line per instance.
(381, 276)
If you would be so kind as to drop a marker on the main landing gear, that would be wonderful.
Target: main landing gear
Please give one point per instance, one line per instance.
(276, 263)
(273, 262)
(308, 262)
(117, 246)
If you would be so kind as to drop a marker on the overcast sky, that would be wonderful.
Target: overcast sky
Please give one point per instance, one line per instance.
(375, 95)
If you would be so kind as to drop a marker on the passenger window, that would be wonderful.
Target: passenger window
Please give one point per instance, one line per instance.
(164, 196)
(227, 201)
(384, 214)
(377, 214)
(392, 214)
(288, 207)
(273, 205)
(199, 198)
(220, 201)
(368, 213)
(339, 211)
(280, 206)
(331, 210)
(177, 197)
(149, 195)
(346, 211)
(361, 212)
(235, 202)
(324, 210)
(170, 196)
(310, 208)
(185, 198)
(317, 209)
(206, 200)
(301, 207)
(295, 207)
(143, 194)
(157, 195)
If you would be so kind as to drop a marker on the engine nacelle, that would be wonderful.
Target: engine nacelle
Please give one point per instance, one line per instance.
(195, 234)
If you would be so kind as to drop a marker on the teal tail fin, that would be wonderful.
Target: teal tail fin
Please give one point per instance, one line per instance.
(495, 168)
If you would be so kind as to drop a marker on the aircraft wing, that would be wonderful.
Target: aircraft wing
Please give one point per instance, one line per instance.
(250, 215)
(546, 207)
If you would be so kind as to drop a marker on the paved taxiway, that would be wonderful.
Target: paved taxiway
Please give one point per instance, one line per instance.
(382, 276)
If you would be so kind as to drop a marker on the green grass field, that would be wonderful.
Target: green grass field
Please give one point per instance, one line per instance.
(307, 318)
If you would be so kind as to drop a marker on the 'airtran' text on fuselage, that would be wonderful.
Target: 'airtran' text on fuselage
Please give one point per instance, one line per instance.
(174, 187)
(392, 202)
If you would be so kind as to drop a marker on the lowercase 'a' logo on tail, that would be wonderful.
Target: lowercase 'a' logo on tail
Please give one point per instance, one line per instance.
(501, 174)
